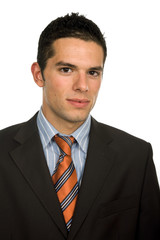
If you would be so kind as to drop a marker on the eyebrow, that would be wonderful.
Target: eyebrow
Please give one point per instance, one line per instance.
(98, 68)
(65, 64)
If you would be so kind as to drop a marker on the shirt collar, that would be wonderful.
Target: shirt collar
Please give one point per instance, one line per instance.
(48, 131)
(82, 134)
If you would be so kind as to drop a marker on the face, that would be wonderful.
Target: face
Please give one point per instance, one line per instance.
(71, 81)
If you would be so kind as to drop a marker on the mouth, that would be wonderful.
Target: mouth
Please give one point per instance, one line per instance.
(79, 103)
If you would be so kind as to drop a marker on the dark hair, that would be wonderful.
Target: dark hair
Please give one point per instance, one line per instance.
(74, 25)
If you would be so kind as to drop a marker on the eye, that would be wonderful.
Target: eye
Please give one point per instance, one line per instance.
(94, 73)
(66, 70)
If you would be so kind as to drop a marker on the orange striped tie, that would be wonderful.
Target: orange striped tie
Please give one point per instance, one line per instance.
(65, 179)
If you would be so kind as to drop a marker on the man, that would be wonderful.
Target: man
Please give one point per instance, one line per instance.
(63, 175)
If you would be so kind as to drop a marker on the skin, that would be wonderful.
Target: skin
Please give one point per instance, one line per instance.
(71, 81)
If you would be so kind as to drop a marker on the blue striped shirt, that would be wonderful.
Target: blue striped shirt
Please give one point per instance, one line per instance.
(51, 149)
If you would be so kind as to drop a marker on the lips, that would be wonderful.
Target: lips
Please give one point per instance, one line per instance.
(80, 103)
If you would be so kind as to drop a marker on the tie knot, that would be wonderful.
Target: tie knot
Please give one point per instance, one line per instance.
(64, 143)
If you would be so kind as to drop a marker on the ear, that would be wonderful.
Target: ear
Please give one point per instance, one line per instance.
(37, 75)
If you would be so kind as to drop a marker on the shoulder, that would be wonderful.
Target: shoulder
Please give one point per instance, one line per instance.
(7, 135)
(120, 134)
(10, 131)
(22, 129)
(120, 138)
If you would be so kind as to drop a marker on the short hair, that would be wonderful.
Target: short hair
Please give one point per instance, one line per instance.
(74, 25)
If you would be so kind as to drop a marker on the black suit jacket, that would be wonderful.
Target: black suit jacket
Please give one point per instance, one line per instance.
(118, 199)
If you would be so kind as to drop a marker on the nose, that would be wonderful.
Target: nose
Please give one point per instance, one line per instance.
(81, 82)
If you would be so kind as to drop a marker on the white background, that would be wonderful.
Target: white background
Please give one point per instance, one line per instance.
(129, 98)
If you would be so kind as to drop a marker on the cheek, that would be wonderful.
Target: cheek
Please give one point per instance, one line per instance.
(58, 84)
(56, 91)
(94, 88)
(49, 92)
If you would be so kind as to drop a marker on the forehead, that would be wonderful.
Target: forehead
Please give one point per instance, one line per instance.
(77, 50)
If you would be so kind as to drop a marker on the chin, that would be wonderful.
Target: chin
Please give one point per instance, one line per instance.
(77, 119)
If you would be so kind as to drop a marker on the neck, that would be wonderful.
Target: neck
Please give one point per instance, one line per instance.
(62, 126)
(66, 128)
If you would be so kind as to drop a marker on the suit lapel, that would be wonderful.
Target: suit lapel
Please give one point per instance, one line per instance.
(30, 159)
(100, 159)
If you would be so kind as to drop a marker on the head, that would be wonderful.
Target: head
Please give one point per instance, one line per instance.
(69, 67)
(75, 26)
